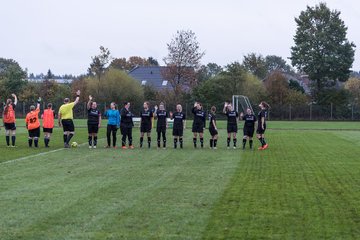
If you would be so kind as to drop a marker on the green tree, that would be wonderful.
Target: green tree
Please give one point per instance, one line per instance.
(117, 86)
(276, 63)
(295, 85)
(12, 78)
(255, 64)
(99, 63)
(208, 71)
(322, 49)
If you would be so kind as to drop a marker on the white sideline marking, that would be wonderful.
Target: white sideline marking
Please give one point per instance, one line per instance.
(41, 154)
(31, 156)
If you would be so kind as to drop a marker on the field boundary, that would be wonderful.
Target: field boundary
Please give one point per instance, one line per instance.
(41, 154)
(312, 129)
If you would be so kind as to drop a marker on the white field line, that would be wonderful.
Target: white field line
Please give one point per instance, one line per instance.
(40, 154)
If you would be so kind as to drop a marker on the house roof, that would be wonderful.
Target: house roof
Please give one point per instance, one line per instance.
(150, 75)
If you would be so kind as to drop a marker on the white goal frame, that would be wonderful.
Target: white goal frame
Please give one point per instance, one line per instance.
(245, 103)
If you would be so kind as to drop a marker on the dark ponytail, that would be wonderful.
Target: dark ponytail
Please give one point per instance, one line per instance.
(265, 104)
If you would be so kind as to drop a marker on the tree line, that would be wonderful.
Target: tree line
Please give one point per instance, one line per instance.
(321, 52)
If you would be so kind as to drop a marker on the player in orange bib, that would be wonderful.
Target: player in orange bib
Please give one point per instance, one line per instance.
(9, 120)
(33, 124)
(48, 123)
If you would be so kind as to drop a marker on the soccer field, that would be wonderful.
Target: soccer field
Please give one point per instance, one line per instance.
(305, 186)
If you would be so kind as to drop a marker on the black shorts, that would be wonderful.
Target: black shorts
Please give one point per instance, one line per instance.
(161, 129)
(232, 128)
(93, 128)
(213, 131)
(34, 132)
(198, 128)
(125, 130)
(145, 128)
(10, 126)
(47, 130)
(249, 131)
(260, 130)
(68, 125)
(178, 132)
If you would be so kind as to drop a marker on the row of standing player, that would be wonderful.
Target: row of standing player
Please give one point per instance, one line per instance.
(126, 124)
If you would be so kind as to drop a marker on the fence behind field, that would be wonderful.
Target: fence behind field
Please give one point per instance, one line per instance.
(312, 112)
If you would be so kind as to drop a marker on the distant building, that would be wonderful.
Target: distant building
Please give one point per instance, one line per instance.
(150, 76)
(58, 80)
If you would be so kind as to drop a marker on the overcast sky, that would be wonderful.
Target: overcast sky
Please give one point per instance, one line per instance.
(62, 35)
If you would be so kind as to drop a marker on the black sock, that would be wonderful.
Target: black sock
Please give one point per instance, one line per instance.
(69, 138)
(46, 142)
(30, 142)
(90, 140)
(244, 142)
(181, 142)
(202, 142)
(164, 142)
(65, 137)
(195, 140)
(141, 141)
(211, 142)
(228, 142)
(234, 141)
(215, 142)
(95, 141)
(13, 139)
(261, 141)
(175, 142)
(264, 142)
(36, 142)
(149, 142)
(8, 140)
(158, 143)
(250, 143)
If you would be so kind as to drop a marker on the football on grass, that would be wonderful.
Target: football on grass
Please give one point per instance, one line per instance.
(74, 144)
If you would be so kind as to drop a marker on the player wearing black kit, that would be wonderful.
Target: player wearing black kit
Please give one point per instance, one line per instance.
(161, 115)
(94, 121)
(126, 125)
(146, 116)
(212, 128)
(260, 132)
(198, 123)
(178, 125)
(249, 127)
(232, 123)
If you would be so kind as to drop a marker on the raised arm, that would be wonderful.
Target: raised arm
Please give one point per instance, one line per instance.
(89, 102)
(77, 99)
(15, 98)
(38, 103)
(225, 108)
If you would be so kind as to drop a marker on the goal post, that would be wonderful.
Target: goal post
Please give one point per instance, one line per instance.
(241, 102)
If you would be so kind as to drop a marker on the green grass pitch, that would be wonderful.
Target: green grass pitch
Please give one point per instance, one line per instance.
(305, 186)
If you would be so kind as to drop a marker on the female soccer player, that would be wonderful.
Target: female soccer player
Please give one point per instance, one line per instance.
(198, 123)
(126, 125)
(161, 115)
(213, 128)
(179, 125)
(9, 120)
(260, 132)
(94, 122)
(113, 116)
(146, 116)
(48, 123)
(232, 122)
(249, 127)
(33, 124)
(65, 118)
